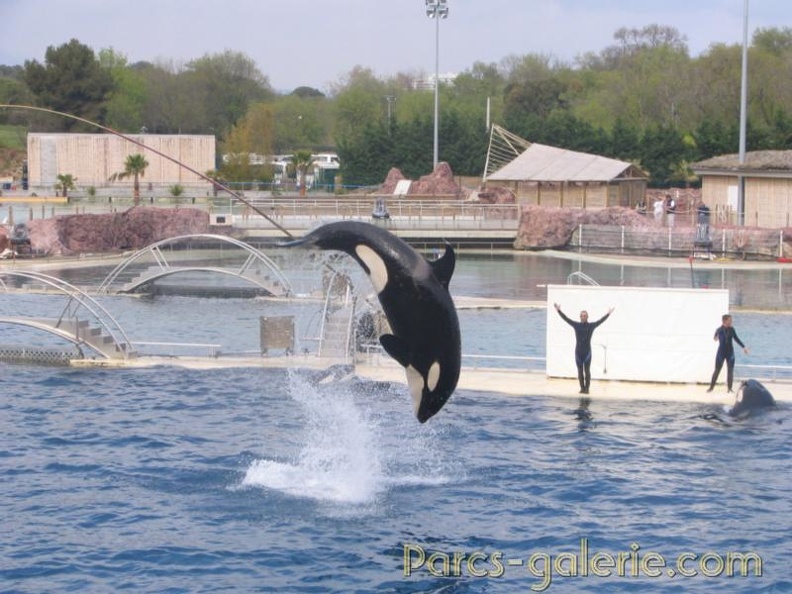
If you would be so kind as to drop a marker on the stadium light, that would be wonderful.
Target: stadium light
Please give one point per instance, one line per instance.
(437, 9)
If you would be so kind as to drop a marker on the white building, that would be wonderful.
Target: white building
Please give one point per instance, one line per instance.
(93, 158)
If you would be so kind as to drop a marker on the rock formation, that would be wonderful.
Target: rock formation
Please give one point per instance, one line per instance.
(438, 183)
(544, 227)
(129, 230)
(394, 177)
(493, 195)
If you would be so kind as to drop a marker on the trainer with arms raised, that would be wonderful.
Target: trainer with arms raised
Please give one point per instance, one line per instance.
(583, 332)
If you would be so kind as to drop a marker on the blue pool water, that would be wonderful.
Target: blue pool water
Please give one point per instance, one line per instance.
(254, 480)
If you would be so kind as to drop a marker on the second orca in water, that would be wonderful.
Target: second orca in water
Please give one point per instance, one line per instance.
(751, 396)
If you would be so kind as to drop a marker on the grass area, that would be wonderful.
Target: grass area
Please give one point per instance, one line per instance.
(12, 136)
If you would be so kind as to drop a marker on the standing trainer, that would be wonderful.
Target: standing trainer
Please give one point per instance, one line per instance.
(725, 335)
(583, 331)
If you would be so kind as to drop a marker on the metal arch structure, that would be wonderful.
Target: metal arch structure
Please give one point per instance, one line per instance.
(45, 327)
(108, 339)
(154, 276)
(165, 269)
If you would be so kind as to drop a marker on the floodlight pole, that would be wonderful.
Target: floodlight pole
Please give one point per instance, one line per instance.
(743, 119)
(437, 9)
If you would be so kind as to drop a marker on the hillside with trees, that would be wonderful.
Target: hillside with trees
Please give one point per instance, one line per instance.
(642, 99)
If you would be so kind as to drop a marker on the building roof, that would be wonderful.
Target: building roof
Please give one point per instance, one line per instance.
(544, 163)
(755, 161)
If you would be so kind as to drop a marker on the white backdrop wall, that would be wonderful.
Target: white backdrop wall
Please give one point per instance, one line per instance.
(654, 334)
(93, 158)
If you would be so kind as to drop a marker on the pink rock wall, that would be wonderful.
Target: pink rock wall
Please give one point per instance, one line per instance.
(129, 230)
(544, 227)
(438, 183)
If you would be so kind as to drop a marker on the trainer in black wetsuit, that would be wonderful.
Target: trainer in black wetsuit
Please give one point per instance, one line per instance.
(725, 334)
(583, 332)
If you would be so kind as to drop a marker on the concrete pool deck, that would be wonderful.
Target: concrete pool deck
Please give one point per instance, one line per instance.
(510, 382)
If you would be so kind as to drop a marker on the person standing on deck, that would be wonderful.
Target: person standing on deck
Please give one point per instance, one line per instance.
(583, 332)
(725, 334)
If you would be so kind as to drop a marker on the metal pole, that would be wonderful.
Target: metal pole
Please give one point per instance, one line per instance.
(743, 119)
(437, 89)
(437, 9)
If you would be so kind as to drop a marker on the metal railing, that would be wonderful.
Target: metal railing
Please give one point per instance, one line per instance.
(77, 302)
(680, 240)
(777, 372)
(303, 212)
(214, 349)
(581, 276)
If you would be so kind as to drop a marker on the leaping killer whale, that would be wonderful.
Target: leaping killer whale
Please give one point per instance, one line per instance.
(751, 396)
(414, 295)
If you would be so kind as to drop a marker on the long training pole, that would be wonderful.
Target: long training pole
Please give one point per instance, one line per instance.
(437, 88)
(203, 176)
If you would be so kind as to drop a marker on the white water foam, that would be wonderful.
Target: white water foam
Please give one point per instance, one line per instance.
(340, 458)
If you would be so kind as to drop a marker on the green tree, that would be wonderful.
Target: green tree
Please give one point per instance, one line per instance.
(127, 99)
(624, 141)
(359, 102)
(301, 122)
(715, 84)
(65, 183)
(777, 41)
(250, 138)
(172, 105)
(367, 158)
(475, 90)
(134, 167)
(71, 80)
(534, 87)
(662, 150)
(307, 92)
(13, 90)
(225, 85)
(715, 138)
(302, 162)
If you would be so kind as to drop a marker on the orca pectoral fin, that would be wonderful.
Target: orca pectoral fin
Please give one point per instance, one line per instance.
(443, 267)
(396, 348)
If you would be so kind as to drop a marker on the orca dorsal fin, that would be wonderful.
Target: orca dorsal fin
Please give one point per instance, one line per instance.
(396, 348)
(443, 267)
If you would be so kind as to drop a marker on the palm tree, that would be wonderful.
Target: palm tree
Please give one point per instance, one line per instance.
(683, 172)
(65, 183)
(134, 167)
(302, 161)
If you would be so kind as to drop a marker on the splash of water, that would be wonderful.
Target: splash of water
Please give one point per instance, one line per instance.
(340, 457)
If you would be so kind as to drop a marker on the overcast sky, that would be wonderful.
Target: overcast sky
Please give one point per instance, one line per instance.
(316, 42)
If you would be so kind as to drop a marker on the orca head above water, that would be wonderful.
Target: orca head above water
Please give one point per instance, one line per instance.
(751, 397)
(413, 292)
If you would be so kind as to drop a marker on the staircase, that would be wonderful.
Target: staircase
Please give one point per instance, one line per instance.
(93, 336)
(336, 341)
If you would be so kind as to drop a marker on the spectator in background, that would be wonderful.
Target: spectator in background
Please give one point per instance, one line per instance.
(670, 208)
(658, 210)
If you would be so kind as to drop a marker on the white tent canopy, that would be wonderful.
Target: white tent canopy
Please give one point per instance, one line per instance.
(542, 163)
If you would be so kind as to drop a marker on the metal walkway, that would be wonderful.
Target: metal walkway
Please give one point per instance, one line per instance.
(84, 321)
(257, 269)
